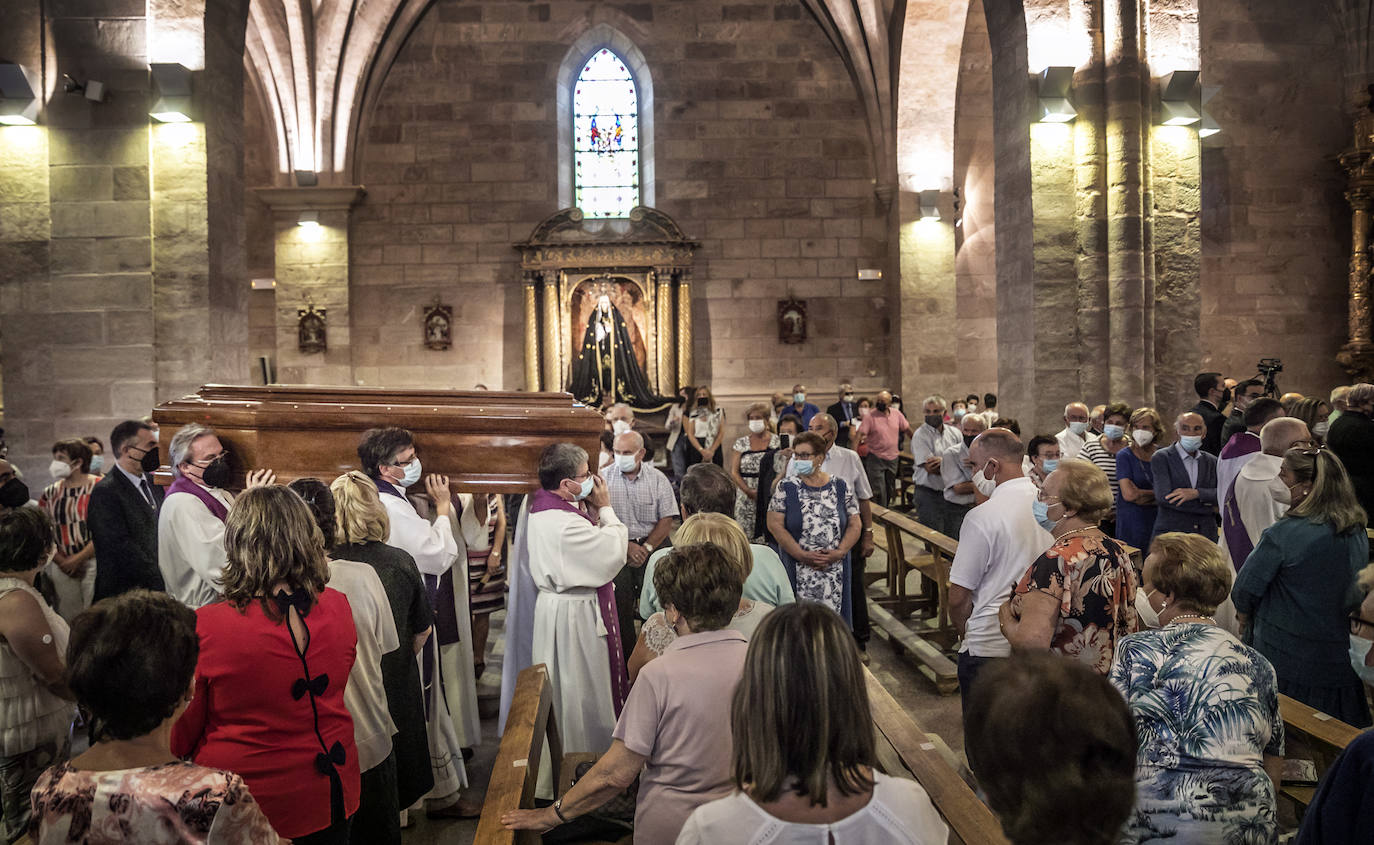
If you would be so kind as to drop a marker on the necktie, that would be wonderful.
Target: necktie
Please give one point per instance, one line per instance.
(147, 493)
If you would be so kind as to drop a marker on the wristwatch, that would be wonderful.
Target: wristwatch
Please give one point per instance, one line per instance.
(648, 547)
(558, 811)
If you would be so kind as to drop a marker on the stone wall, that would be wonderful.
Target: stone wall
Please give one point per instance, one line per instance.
(760, 152)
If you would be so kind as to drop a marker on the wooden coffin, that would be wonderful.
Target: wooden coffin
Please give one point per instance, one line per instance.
(483, 441)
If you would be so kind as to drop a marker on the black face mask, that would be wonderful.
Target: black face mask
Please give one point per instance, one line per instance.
(969, 438)
(14, 493)
(935, 420)
(150, 461)
(881, 406)
(1225, 398)
(701, 401)
(217, 474)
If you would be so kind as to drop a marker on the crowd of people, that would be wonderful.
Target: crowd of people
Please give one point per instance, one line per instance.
(301, 661)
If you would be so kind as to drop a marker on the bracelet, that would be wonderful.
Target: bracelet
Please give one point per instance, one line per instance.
(558, 811)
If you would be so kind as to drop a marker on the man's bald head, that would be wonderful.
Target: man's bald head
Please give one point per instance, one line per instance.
(972, 424)
(1076, 412)
(629, 442)
(1190, 424)
(996, 443)
(1281, 434)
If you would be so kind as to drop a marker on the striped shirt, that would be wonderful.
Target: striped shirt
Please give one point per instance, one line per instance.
(642, 501)
(67, 507)
(1094, 451)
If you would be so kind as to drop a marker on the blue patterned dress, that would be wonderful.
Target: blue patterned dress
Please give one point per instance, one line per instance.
(1206, 711)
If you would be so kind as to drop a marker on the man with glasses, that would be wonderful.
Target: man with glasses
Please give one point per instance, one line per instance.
(190, 525)
(123, 513)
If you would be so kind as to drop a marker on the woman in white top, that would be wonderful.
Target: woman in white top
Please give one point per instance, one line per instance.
(705, 430)
(809, 786)
(724, 532)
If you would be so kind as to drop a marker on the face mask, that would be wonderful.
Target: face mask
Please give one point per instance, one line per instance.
(217, 474)
(1149, 617)
(882, 406)
(59, 469)
(804, 466)
(849, 397)
(701, 401)
(1359, 650)
(1321, 428)
(586, 488)
(972, 406)
(959, 413)
(984, 484)
(896, 406)
(757, 426)
(412, 473)
(1078, 427)
(626, 463)
(1143, 437)
(1051, 464)
(150, 461)
(619, 427)
(863, 412)
(97, 463)
(1042, 515)
(799, 398)
(1225, 397)
(1114, 432)
(935, 420)
(969, 438)
(14, 493)
(1190, 442)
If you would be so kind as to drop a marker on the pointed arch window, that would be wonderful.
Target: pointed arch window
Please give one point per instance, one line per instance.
(605, 137)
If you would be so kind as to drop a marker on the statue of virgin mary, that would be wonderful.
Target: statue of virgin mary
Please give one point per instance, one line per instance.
(606, 364)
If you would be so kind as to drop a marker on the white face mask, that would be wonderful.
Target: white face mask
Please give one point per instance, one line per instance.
(1143, 437)
(1359, 650)
(757, 426)
(626, 463)
(619, 427)
(982, 483)
(1149, 617)
(59, 469)
(849, 397)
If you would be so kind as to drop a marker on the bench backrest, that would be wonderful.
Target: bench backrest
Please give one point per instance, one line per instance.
(1328, 734)
(516, 771)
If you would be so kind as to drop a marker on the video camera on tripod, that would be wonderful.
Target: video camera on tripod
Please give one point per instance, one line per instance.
(1268, 368)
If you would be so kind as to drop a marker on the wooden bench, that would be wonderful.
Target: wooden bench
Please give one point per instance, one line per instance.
(1310, 733)
(930, 643)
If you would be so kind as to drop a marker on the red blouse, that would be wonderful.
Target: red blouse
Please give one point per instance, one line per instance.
(252, 714)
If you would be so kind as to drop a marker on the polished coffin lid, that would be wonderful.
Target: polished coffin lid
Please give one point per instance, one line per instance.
(483, 440)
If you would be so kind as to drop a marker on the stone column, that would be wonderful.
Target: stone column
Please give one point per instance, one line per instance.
(684, 327)
(553, 344)
(667, 334)
(312, 268)
(926, 324)
(1092, 267)
(532, 278)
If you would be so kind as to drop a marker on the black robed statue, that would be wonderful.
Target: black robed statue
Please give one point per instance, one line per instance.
(607, 364)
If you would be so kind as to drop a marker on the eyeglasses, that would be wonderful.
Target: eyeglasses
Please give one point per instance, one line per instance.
(584, 475)
(402, 464)
(1356, 624)
(1040, 494)
(205, 462)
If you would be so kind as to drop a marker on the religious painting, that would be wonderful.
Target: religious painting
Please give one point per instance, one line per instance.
(791, 320)
(609, 323)
(438, 326)
(311, 329)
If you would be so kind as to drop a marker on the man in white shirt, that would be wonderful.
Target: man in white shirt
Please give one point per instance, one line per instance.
(928, 445)
(190, 526)
(1000, 539)
(957, 475)
(1071, 438)
(642, 498)
(1258, 498)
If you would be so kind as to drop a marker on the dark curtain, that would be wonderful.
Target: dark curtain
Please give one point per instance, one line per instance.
(591, 373)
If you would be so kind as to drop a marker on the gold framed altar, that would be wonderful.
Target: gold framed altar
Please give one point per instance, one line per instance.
(642, 264)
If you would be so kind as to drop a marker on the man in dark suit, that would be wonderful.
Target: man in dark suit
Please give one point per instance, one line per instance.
(846, 414)
(1246, 393)
(1351, 437)
(1212, 397)
(1186, 482)
(122, 514)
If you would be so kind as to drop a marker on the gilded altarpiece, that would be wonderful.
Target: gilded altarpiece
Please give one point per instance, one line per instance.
(1357, 356)
(641, 265)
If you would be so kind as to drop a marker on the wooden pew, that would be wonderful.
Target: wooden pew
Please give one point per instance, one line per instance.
(1311, 733)
(516, 771)
(969, 819)
(929, 643)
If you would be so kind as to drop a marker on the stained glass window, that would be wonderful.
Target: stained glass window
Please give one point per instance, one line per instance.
(606, 138)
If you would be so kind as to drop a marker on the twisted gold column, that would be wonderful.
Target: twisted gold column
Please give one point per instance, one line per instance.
(684, 327)
(553, 358)
(531, 336)
(667, 350)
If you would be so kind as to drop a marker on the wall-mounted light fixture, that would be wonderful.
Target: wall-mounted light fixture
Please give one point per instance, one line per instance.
(930, 205)
(1053, 90)
(870, 274)
(18, 102)
(1176, 99)
(309, 219)
(1209, 126)
(173, 84)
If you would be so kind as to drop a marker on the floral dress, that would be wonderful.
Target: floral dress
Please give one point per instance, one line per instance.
(746, 507)
(1098, 608)
(820, 519)
(1206, 710)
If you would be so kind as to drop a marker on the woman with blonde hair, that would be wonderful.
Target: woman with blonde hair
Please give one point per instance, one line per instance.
(1135, 480)
(751, 458)
(1206, 706)
(1076, 598)
(724, 533)
(275, 655)
(820, 784)
(705, 428)
(363, 527)
(1293, 593)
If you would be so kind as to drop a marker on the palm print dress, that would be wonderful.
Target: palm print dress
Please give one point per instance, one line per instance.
(1206, 711)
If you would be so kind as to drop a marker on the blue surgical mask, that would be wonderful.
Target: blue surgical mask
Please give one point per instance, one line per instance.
(412, 473)
(1190, 442)
(799, 398)
(97, 463)
(1114, 432)
(1051, 464)
(1041, 510)
(1078, 427)
(586, 488)
(804, 467)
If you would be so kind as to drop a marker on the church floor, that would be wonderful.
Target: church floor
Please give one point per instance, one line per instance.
(936, 713)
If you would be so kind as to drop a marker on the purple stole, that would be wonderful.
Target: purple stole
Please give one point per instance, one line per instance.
(182, 484)
(1238, 544)
(543, 500)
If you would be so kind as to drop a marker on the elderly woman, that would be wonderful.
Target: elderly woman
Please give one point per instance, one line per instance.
(1042, 458)
(669, 734)
(1294, 591)
(1135, 480)
(1102, 451)
(814, 518)
(73, 566)
(724, 533)
(378, 819)
(275, 655)
(132, 664)
(748, 457)
(1076, 598)
(821, 784)
(705, 428)
(35, 713)
(363, 527)
(1206, 706)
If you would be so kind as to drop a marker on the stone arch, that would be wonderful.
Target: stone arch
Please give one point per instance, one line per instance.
(599, 36)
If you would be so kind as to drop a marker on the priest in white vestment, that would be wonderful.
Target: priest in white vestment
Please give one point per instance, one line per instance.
(190, 525)
(1258, 498)
(388, 457)
(575, 547)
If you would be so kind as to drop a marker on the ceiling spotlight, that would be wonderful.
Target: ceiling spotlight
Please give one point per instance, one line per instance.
(1176, 99)
(1052, 88)
(18, 102)
(173, 85)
